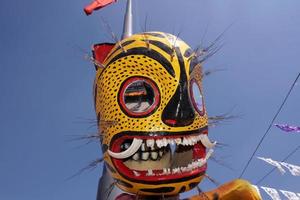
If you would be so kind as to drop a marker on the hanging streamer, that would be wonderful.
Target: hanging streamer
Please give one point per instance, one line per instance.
(275, 195)
(274, 163)
(290, 195)
(294, 170)
(272, 193)
(288, 128)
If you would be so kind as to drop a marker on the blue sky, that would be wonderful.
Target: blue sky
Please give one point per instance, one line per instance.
(46, 87)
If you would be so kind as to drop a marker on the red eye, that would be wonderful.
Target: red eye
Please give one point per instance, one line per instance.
(196, 97)
(139, 97)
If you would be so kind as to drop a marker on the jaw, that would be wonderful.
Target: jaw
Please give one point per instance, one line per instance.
(162, 158)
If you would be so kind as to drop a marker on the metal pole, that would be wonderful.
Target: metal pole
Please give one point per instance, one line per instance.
(127, 27)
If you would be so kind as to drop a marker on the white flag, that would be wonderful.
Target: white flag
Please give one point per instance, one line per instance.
(272, 193)
(295, 170)
(290, 195)
(274, 163)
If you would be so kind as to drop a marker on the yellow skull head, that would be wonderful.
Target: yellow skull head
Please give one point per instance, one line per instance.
(151, 115)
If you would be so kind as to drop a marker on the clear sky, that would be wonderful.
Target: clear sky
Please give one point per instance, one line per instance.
(46, 87)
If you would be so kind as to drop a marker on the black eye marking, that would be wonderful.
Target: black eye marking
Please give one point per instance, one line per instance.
(151, 54)
(179, 110)
(162, 46)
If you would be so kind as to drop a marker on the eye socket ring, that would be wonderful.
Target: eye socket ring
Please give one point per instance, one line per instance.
(139, 97)
(197, 97)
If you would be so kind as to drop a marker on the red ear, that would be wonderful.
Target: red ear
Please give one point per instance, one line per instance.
(100, 52)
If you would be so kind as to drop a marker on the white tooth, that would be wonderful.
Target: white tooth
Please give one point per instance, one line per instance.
(195, 165)
(194, 140)
(136, 156)
(185, 142)
(159, 143)
(134, 147)
(175, 170)
(150, 143)
(199, 138)
(206, 142)
(165, 171)
(165, 142)
(150, 172)
(168, 171)
(143, 148)
(136, 173)
(154, 155)
(189, 140)
(201, 162)
(183, 169)
(160, 153)
(145, 155)
(178, 141)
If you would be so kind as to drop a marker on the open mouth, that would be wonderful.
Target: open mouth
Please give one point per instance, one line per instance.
(157, 157)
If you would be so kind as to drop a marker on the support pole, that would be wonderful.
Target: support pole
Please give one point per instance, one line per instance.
(127, 27)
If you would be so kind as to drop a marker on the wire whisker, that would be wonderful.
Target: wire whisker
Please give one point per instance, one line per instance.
(91, 166)
(114, 37)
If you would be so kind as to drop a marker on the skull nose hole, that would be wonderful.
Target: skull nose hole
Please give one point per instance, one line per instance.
(179, 111)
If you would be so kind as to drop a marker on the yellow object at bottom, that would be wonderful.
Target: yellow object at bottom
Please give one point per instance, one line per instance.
(237, 189)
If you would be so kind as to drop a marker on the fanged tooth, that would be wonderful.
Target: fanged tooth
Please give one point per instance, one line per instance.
(136, 173)
(145, 155)
(206, 142)
(154, 155)
(150, 143)
(136, 156)
(134, 147)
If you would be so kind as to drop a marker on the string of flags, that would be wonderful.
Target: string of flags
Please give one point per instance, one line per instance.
(282, 166)
(288, 128)
(275, 195)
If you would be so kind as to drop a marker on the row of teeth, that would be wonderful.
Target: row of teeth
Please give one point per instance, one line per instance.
(143, 154)
(185, 141)
(192, 166)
